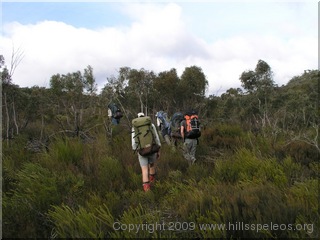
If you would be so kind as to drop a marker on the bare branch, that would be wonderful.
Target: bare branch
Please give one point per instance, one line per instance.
(16, 58)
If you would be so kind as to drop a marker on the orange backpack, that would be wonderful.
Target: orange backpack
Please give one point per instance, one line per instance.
(193, 126)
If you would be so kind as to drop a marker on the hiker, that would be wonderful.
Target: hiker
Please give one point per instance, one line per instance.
(145, 140)
(174, 129)
(163, 124)
(114, 112)
(190, 132)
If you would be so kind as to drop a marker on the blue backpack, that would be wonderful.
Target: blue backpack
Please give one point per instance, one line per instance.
(162, 116)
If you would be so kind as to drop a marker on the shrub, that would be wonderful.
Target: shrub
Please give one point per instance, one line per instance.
(68, 151)
(304, 196)
(245, 166)
(71, 186)
(69, 223)
(301, 152)
(170, 160)
(110, 175)
(137, 216)
(9, 169)
(224, 136)
(132, 178)
(292, 170)
(199, 171)
(33, 194)
(252, 203)
(303, 199)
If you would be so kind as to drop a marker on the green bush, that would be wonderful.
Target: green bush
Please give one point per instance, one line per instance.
(223, 136)
(34, 192)
(252, 203)
(71, 186)
(170, 160)
(245, 166)
(199, 171)
(132, 177)
(69, 223)
(303, 198)
(68, 151)
(292, 170)
(135, 222)
(301, 152)
(110, 175)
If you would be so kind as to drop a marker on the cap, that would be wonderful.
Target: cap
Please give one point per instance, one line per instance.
(140, 114)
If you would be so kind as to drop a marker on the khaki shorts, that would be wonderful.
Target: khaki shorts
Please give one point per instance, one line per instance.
(145, 160)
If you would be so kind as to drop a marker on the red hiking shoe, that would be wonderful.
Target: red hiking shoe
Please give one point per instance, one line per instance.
(152, 178)
(146, 187)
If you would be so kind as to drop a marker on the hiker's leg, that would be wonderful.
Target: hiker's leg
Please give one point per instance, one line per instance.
(152, 173)
(145, 178)
(186, 149)
(152, 167)
(167, 139)
(152, 164)
(193, 150)
(173, 144)
(145, 173)
(144, 168)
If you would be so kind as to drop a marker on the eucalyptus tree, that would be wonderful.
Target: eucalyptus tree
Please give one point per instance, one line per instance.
(89, 81)
(298, 109)
(167, 92)
(260, 87)
(10, 94)
(115, 91)
(261, 79)
(140, 86)
(193, 85)
(70, 100)
(231, 105)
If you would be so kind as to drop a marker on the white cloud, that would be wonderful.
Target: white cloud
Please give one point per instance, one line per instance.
(157, 39)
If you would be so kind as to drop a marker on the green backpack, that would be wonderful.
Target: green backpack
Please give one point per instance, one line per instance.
(145, 137)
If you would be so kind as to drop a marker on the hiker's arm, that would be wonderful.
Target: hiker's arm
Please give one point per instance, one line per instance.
(133, 142)
(182, 131)
(158, 122)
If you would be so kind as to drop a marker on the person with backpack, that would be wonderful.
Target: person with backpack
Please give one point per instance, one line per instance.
(146, 141)
(174, 128)
(163, 125)
(190, 132)
(115, 113)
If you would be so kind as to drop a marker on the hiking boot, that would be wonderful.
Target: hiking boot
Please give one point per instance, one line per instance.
(146, 187)
(152, 178)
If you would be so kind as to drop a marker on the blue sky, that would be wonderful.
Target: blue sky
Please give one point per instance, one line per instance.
(83, 14)
(223, 38)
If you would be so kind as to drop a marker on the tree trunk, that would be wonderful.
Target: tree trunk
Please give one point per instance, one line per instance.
(141, 103)
(15, 118)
